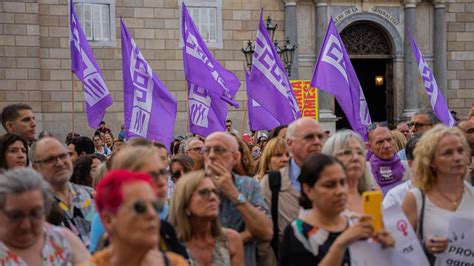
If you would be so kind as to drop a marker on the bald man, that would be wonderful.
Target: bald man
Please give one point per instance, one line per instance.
(242, 207)
(51, 159)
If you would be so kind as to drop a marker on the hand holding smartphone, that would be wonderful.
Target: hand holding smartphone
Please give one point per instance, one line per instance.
(372, 206)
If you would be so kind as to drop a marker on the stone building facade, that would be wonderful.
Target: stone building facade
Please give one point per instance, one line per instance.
(35, 59)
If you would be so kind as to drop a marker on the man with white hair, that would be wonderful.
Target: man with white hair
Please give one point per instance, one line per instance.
(304, 137)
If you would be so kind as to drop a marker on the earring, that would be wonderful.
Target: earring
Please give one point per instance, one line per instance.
(188, 213)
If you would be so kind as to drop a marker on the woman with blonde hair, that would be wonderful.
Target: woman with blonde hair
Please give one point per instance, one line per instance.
(440, 192)
(400, 140)
(194, 213)
(347, 147)
(274, 157)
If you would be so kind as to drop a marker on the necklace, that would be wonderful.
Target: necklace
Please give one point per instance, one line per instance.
(455, 202)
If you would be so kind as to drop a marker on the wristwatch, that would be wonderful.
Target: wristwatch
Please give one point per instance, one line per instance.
(240, 199)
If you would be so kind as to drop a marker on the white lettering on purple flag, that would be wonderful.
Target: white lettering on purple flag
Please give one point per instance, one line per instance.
(265, 62)
(194, 49)
(199, 105)
(427, 76)
(94, 85)
(334, 56)
(142, 79)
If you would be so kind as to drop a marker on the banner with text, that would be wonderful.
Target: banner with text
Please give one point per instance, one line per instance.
(306, 97)
(460, 249)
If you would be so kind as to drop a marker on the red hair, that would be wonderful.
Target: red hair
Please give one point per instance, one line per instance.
(109, 195)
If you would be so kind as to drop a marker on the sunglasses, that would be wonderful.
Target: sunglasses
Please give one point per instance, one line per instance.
(206, 192)
(18, 216)
(417, 125)
(158, 174)
(140, 207)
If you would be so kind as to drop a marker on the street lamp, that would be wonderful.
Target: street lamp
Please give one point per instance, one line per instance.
(286, 52)
(271, 28)
(248, 52)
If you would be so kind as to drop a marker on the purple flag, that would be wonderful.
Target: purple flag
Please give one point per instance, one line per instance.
(334, 73)
(259, 117)
(83, 64)
(149, 108)
(438, 103)
(210, 86)
(268, 83)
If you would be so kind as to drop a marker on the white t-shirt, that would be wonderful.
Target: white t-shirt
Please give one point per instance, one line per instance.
(397, 194)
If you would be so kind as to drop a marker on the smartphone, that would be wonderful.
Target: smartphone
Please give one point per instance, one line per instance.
(372, 206)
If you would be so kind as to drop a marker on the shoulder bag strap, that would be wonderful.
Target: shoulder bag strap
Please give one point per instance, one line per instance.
(274, 180)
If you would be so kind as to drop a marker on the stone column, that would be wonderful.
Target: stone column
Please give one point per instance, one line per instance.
(440, 49)
(326, 101)
(291, 32)
(410, 67)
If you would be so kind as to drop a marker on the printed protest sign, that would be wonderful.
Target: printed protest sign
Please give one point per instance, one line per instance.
(406, 242)
(306, 97)
(460, 251)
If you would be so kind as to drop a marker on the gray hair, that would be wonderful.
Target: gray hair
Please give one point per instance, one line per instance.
(341, 140)
(291, 130)
(22, 180)
(187, 142)
(431, 116)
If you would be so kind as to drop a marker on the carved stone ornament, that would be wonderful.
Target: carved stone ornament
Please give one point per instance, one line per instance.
(363, 39)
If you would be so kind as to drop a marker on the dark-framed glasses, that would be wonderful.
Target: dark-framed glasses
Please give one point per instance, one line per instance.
(17, 216)
(206, 192)
(53, 159)
(196, 149)
(417, 125)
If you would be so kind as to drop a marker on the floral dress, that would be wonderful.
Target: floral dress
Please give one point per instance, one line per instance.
(56, 250)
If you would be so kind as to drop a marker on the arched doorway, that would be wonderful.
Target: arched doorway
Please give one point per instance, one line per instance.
(370, 51)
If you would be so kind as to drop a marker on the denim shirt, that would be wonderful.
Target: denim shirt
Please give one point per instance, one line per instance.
(230, 217)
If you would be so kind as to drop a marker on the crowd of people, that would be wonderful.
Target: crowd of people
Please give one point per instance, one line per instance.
(291, 196)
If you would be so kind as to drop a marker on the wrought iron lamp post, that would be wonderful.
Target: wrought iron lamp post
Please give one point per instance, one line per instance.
(286, 52)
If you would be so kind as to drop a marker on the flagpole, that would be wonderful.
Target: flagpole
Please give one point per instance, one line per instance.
(73, 83)
(245, 117)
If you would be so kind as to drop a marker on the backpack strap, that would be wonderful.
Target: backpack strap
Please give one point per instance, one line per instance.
(274, 180)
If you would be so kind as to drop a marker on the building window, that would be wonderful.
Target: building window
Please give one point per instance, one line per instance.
(207, 15)
(97, 18)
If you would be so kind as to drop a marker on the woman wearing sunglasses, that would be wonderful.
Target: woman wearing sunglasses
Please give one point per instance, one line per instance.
(194, 213)
(127, 204)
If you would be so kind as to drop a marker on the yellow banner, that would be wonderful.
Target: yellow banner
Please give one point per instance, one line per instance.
(307, 98)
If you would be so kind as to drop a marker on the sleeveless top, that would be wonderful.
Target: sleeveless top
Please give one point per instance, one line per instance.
(439, 218)
(220, 253)
(56, 250)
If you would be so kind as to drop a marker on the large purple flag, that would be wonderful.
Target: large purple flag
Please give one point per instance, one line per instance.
(210, 86)
(149, 108)
(438, 103)
(334, 73)
(259, 117)
(83, 64)
(268, 83)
